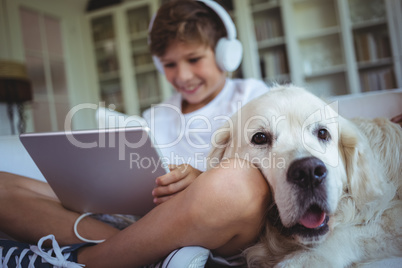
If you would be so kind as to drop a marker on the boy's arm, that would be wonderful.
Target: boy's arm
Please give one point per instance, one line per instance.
(178, 179)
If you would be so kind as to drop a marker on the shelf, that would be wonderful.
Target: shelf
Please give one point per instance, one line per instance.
(329, 85)
(369, 23)
(274, 63)
(377, 79)
(375, 63)
(320, 54)
(146, 102)
(272, 42)
(146, 68)
(320, 33)
(102, 28)
(138, 20)
(268, 6)
(362, 11)
(305, 1)
(327, 71)
(106, 57)
(268, 25)
(104, 43)
(109, 76)
(140, 50)
(372, 45)
(314, 16)
(139, 35)
(148, 89)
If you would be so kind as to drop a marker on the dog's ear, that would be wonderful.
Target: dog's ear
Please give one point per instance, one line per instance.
(221, 140)
(364, 177)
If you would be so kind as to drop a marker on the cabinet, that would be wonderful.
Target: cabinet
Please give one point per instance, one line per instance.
(373, 44)
(331, 47)
(319, 47)
(107, 64)
(271, 41)
(126, 77)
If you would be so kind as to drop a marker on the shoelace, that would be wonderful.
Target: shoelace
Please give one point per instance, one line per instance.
(59, 261)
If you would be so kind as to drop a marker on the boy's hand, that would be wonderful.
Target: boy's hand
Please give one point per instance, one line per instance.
(178, 179)
(397, 119)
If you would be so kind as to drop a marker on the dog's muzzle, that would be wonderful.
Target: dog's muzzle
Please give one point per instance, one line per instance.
(308, 178)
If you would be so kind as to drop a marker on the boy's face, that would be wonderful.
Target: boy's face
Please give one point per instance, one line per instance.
(192, 70)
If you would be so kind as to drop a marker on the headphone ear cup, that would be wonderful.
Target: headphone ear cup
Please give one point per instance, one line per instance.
(158, 64)
(228, 54)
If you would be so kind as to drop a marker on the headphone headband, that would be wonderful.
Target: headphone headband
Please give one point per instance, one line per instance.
(224, 16)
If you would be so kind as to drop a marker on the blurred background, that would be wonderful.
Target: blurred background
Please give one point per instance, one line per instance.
(58, 55)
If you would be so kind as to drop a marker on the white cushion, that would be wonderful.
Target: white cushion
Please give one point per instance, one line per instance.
(15, 159)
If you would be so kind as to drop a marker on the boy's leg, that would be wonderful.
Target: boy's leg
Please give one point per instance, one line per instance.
(30, 210)
(223, 210)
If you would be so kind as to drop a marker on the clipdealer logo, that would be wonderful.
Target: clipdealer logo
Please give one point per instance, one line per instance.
(193, 135)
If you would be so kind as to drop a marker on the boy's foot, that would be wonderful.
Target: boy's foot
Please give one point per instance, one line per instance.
(17, 254)
(186, 257)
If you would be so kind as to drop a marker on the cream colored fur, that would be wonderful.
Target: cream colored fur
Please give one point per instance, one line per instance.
(363, 186)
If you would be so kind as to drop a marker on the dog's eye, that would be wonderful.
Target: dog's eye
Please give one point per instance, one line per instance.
(323, 134)
(260, 138)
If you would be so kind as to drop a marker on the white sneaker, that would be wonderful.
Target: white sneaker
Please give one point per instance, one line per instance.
(186, 257)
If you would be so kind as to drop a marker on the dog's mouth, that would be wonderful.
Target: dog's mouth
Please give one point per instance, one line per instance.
(312, 224)
(313, 218)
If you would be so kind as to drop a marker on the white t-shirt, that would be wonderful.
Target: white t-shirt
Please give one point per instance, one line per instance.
(186, 138)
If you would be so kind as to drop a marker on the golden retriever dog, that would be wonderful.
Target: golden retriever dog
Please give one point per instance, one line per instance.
(336, 184)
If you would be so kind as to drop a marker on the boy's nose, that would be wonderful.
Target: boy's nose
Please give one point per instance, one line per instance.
(184, 73)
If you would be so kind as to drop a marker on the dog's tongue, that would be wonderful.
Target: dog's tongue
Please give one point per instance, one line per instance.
(313, 218)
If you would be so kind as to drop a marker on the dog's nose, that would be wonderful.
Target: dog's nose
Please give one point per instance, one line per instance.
(307, 172)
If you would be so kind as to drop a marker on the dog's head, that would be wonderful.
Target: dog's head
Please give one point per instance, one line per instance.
(295, 139)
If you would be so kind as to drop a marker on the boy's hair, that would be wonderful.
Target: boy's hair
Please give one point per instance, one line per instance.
(188, 21)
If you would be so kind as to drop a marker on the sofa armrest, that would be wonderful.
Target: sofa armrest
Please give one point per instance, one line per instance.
(384, 103)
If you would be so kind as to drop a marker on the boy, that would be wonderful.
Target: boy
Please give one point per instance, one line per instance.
(221, 209)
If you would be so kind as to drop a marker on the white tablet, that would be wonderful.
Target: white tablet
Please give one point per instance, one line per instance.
(101, 171)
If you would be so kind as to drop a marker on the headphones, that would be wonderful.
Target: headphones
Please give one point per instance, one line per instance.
(228, 50)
